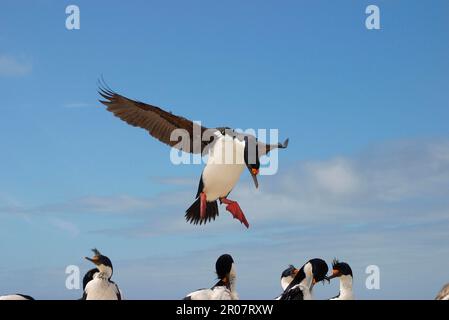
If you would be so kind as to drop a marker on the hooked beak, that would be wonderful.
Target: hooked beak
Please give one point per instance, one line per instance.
(314, 281)
(254, 172)
(93, 260)
(334, 274)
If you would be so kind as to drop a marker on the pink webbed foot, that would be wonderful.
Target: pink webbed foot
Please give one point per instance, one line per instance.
(234, 208)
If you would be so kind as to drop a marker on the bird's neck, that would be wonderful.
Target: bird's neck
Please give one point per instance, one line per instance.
(346, 286)
(308, 280)
(232, 289)
(285, 281)
(105, 272)
(232, 284)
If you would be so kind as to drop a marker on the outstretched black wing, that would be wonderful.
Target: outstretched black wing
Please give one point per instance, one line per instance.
(158, 122)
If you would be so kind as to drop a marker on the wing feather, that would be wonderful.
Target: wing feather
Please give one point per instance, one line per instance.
(159, 123)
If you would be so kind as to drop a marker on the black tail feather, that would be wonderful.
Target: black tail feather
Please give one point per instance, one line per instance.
(193, 213)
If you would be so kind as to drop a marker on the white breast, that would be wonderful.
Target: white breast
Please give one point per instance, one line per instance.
(285, 281)
(101, 289)
(224, 167)
(216, 293)
(346, 292)
(13, 297)
(306, 292)
(343, 297)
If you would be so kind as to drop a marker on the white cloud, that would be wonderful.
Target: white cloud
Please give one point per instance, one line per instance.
(404, 183)
(123, 203)
(120, 204)
(336, 176)
(66, 226)
(12, 66)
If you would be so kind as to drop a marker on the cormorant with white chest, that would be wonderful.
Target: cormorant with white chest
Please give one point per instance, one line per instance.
(287, 277)
(300, 288)
(229, 152)
(343, 271)
(225, 288)
(97, 284)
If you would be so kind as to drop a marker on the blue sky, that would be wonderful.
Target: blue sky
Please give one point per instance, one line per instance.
(365, 177)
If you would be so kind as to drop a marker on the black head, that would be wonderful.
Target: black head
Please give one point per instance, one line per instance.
(289, 272)
(288, 275)
(319, 269)
(100, 260)
(223, 265)
(300, 276)
(251, 156)
(340, 269)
